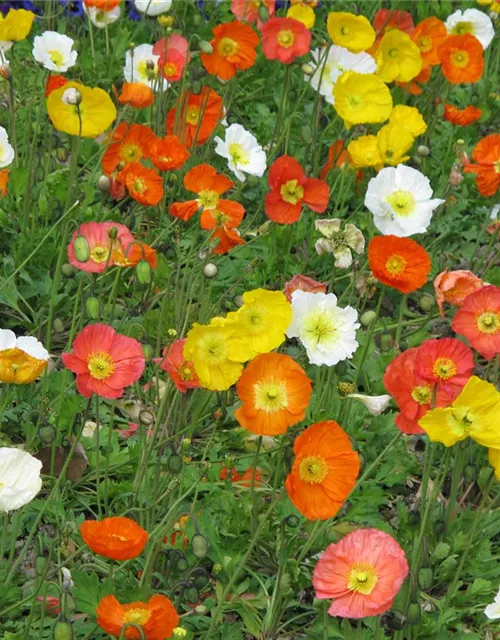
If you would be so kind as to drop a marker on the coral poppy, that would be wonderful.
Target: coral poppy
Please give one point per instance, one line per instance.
(291, 189)
(144, 185)
(462, 117)
(303, 283)
(389, 19)
(157, 618)
(54, 82)
(285, 39)
(168, 153)
(324, 471)
(180, 370)
(249, 10)
(223, 240)
(275, 392)
(105, 362)
(478, 320)
(116, 538)
(461, 59)
(4, 180)
(454, 287)
(400, 263)
(448, 363)
(173, 55)
(429, 35)
(233, 47)
(102, 238)
(362, 574)
(136, 94)
(487, 155)
(199, 115)
(355, 33)
(128, 143)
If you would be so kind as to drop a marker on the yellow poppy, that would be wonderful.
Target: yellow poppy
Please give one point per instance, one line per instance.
(393, 142)
(494, 460)
(355, 33)
(303, 13)
(363, 152)
(16, 25)
(398, 57)
(408, 118)
(361, 98)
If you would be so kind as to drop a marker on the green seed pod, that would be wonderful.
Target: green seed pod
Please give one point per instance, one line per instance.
(196, 87)
(439, 110)
(423, 150)
(69, 605)
(386, 342)
(306, 133)
(205, 46)
(417, 160)
(263, 12)
(58, 325)
(81, 249)
(143, 271)
(426, 303)
(62, 154)
(174, 464)
(68, 270)
(199, 545)
(43, 205)
(191, 595)
(292, 521)
(41, 564)
(148, 352)
(182, 564)
(47, 434)
(92, 306)
(395, 620)
(200, 581)
(62, 630)
(197, 20)
(368, 317)
(425, 578)
(414, 613)
(470, 473)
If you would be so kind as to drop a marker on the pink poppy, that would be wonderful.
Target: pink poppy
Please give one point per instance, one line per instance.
(454, 286)
(248, 10)
(100, 244)
(180, 370)
(174, 55)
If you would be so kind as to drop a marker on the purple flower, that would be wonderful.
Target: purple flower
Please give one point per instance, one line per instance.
(5, 7)
(132, 12)
(73, 8)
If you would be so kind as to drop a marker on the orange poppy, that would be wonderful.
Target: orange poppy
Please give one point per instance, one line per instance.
(414, 86)
(54, 82)
(462, 117)
(275, 392)
(199, 115)
(157, 618)
(429, 35)
(227, 239)
(243, 479)
(400, 263)
(228, 214)
(102, 5)
(127, 144)
(487, 155)
(233, 49)
(4, 179)
(168, 153)
(143, 185)
(116, 538)
(131, 255)
(136, 94)
(324, 471)
(337, 157)
(462, 59)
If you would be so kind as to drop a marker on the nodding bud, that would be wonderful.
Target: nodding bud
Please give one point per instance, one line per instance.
(425, 578)
(146, 417)
(263, 12)
(81, 248)
(47, 434)
(41, 565)
(62, 630)
(306, 133)
(68, 270)
(148, 352)
(72, 96)
(210, 270)
(413, 613)
(150, 64)
(203, 254)
(368, 317)
(199, 545)
(439, 110)
(92, 306)
(191, 595)
(174, 464)
(292, 521)
(205, 46)
(196, 87)
(131, 45)
(143, 272)
(6, 71)
(62, 154)
(104, 184)
(423, 150)
(307, 69)
(113, 233)
(58, 325)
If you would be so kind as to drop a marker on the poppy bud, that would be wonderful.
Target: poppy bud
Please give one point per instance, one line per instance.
(395, 620)
(470, 473)
(41, 564)
(182, 565)
(201, 580)
(146, 417)
(143, 272)
(425, 578)
(43, 205)
(426, 302)
(307, 69)
(171, 333)
(368, 317)
(148, 352)
(47, 433)
(92, 306)
(174, 464)
(439, 110)
(199, 545)
(306, 134)
(68, 270)
(210, 270)
(197, 20)
(201, 609)
(104, 184)
(58, 325)
(69, 605)
(292, 521)
(196, 87)
(423, 150)
(62, 154)
(263, 12)
(81, 249)
(191, 595)
(386, 342)
(206, 47)
(6, 71)
(417, 161)
(113, 233)
(62, 630)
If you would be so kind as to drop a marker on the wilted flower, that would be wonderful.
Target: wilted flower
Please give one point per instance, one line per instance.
(375, 404)
(339, 242)
(19, 478)
(303, 283)
(454, 287)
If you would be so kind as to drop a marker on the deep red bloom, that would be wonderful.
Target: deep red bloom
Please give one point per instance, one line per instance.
(285, 39)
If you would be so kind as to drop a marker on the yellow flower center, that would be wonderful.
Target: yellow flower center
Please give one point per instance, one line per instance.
(286, 38)
(270, 396)
(193, 115)
(238, 154)
(424, 44)
(362, 578)
(292, 191)
(221, 217)
(139, 185)
(488, 322)
(56, 57)
(463, 27)
(396, 265)
(227, 47)
(186, 373)
(99, 254)
(393, 53)
(319, 324)
(460, 59)
(402, 202)
(496, 165)
(100, 365)
(169, 69)
(422, 394)
(136, 616)
(313, 469)
(214, 349)
(344, 30)
(355, 101)
(130, 153)
(444, 368)
(208, 199)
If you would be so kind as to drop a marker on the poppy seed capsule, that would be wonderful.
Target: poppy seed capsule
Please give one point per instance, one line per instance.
(104, 184)
(143, 272)
(92, 306)
(367, 318)
(62, 630)
(425, 578)
(174, 464)
(81, 249)
(423, 150)
(47, 433)
(210, 270)
(206, 47)
(147, 350)
(199, 545)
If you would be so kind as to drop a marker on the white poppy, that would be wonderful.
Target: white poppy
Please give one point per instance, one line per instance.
(5, 45)
(28, 344)
(153, 7)
(327, 331)
(54, 51)
(6, 149)
(492, 611)
(474, 22)
(19, 478)
(242, 151)
(141, 65)
(400, 199)
(101, 19)
(375, 404)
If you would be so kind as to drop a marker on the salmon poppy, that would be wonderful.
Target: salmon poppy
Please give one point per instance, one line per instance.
(168, 153)
(116, 538)
(447, 363)
(337, 157)
(136, 94)
(487, 155)
(462, 117)
(303, 283)
(223, 240)
(199, 115)
(248, 10)
(429, 35)
(103, 240)
(324, 471)
(156, 618)
(388, 19)
(414, 86)
(54, 82)
(291, 189)
(128, 143)
(173, 55)
(180, 370)
(285, 39)
(454, 287)
(478, 320)
(462, 59)
(400, 263)
(143, 185)
(105, 362)
(4, 180)
(275, 392)
(233, 47)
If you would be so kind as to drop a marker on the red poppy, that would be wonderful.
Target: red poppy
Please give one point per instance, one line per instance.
(129, 143)
(233, 47)
(248, 10)
(103, 240)
(168, 153)
(54, 82)
(199, 115)
(116, 538)
(157, 618)
(285, 39)
(388, 19)
(448, 363)
(136, 94)
(478, 320)
(174, 55)
(487, 155)
(180, 370)
(143, 185)
(290, 189)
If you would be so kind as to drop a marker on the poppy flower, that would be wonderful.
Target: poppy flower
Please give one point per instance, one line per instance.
(168, 153)
(102, 5)
(242, 151)
(400, 263)
(429, 35)
(223, 240)
(20, 479)
(51, 604)
(116, 538)
(249, 11)
(362, 573)
(16, 25)
(233, 45)
(398, 57)
(448, 363)
(324, 471)
(350, 31)
(275, 392)
(243, 479)
(180, 370)
(290, 189)
(157, 618)
(388, 19)
(478, 320)
(54, 82)
(454, 287)
(337, 157)
(173, 55)
(105, 362)
(362, 98)
(199, 115)
(303, 283)
(415, 86)
(137, 95)
(22, 359)
(4, 180)
(144, 185)
(129, 143)
(130, 255)
(462, 117)
(285, 39)
(487, 155)
(461, 59)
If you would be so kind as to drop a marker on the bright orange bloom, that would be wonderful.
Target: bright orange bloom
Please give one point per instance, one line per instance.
(143, 185)
(487, 155)
(448, 363)
(102, 5)
(54, 82)
(168, 153)
(414, 86)
(4, 179)
(462, 59)
(275, 392)
(137, 95)
(478, 320)
(133, 254)
(116, 538)
(229, 214)
(233, 49)
(462, 117)
(337, 157)
(227, 239)
(429, 35)
(285, 39)
(243, 479)
(199, 115)
(157, 617)
(128, 144)
(324, 471)
(454, 287)
(400, 263)
(248, 10)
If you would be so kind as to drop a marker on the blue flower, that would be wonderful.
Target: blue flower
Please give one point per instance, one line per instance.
(5, 7)
(73, 8)
(132, 12)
